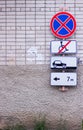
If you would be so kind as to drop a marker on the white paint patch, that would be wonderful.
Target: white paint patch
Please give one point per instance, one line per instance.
(32, 51)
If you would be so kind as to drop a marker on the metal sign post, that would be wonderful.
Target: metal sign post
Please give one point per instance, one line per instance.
(63, 25)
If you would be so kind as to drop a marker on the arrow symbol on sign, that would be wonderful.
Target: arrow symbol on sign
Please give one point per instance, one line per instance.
(56, 78)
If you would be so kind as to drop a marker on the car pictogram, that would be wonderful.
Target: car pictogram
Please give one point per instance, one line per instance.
(59, 64)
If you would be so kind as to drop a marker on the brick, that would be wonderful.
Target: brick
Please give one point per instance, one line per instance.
(18, 21)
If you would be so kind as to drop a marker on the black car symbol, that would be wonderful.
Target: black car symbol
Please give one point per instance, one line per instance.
(59, 64)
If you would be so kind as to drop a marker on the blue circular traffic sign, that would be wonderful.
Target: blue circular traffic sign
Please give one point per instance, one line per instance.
(63, 25)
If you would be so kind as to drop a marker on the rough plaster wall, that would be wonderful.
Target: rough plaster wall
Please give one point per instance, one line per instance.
(25, 92)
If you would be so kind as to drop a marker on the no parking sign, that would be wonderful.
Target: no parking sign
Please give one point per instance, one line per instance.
(63, 25)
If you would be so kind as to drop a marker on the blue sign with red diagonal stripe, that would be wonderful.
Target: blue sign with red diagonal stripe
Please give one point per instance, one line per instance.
(63, 25)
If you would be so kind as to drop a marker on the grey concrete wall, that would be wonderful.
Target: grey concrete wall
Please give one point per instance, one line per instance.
(25, 92)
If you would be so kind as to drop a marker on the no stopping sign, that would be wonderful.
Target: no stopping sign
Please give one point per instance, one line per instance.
(63, 25)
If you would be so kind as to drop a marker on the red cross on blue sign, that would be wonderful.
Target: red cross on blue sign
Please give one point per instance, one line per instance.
(63, 25)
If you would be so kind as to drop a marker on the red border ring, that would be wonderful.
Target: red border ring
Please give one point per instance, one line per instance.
(68, 35)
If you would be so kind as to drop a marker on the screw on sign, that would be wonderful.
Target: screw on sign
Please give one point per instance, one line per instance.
(63, 25)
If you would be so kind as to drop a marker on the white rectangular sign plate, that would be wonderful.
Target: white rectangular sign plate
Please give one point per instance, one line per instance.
(66, 62)
(63, 79)
(63, 47)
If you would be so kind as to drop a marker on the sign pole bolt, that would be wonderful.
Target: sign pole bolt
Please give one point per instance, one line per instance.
(63, 89)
